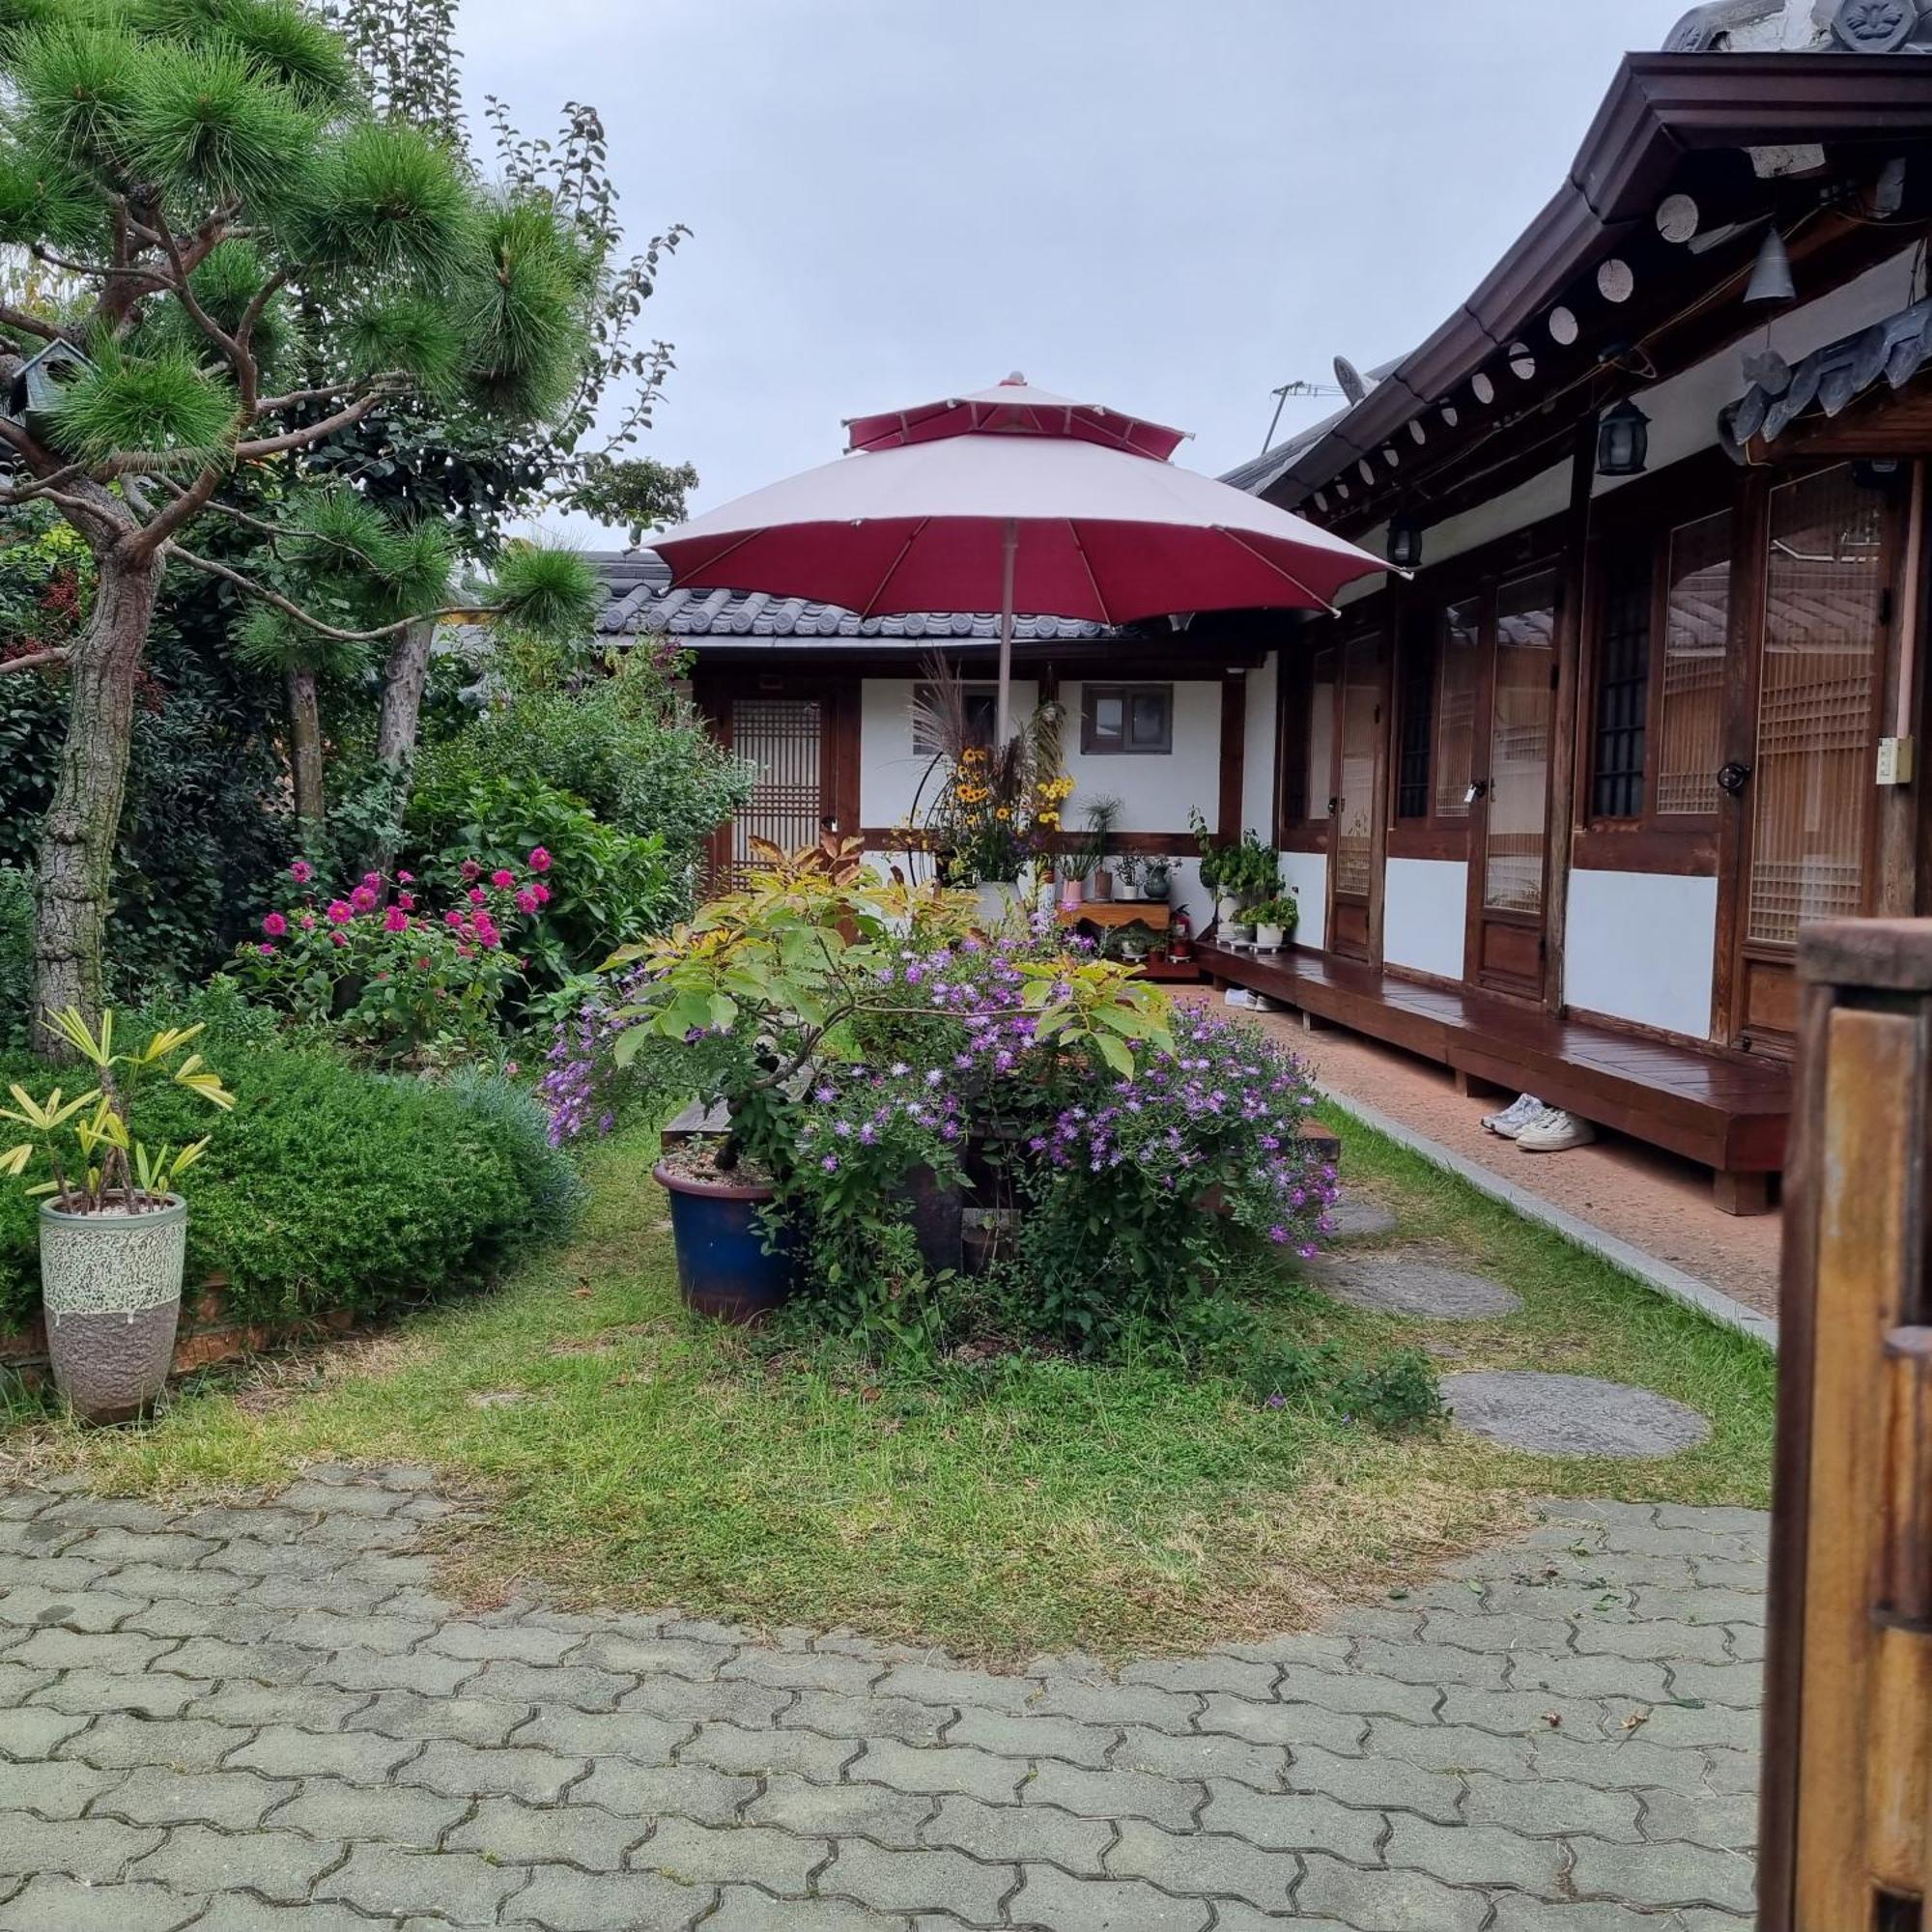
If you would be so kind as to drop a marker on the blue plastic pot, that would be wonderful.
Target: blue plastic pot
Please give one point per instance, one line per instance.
(722, 1268)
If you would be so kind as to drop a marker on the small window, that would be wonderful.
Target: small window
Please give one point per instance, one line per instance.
(1697, 619)
(983, 716)
(1122, 719)
(1456, 708)
(1416, 728)
(1623, 685)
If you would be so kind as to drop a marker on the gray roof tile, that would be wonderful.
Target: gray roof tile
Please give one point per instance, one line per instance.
(642, 603)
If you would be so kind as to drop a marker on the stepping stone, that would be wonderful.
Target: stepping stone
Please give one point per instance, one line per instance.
(1355, 1218)
(1397, 1283)
(1570, 1415)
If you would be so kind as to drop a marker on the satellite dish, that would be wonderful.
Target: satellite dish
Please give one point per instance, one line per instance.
(1354, 385)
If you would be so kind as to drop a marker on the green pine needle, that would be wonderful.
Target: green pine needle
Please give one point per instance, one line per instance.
(44, 199)
(208, 119)
(387, 201)
(552, 592)
(158, 406)
(526, 322)
(78, 88)
(294, 48)
(410, 332)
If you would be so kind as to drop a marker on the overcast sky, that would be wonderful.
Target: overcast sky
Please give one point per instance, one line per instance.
(1170, 206)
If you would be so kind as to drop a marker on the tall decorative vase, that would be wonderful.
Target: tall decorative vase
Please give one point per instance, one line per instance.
(111, 1287)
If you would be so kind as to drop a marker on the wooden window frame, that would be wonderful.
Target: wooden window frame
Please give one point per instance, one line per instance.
(1128, 695)
(971, 688)
(1649, 513)
(1434, 833)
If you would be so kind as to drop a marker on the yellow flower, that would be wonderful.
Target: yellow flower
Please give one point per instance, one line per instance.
(1003, 812)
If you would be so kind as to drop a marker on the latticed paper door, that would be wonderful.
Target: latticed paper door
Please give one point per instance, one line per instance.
(783, 740)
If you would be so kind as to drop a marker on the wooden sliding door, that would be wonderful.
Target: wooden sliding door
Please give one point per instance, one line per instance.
(1355, 802)
(1806, 794)
(1509, 792)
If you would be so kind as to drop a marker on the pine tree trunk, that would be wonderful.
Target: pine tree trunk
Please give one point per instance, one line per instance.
(396, 729)
(83, 823)
(306, 750)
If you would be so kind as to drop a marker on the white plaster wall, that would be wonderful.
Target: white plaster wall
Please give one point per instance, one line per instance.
(1156, 792)
(1306, 875)
(1258, 753)
(889, 770)
(1642, 945)
(1425, 902)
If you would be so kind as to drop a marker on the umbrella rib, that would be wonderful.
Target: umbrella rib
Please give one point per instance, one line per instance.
(1080, 548)
(1287, 575)
(871, 605)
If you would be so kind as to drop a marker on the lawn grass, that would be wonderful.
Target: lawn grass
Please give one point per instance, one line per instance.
(621, 1453)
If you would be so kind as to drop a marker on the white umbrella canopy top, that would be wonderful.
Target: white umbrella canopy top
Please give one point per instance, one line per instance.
(1013, 499)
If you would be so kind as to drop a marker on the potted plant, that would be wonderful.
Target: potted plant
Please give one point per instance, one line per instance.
(1273, 920)
(1156, 878)
(113, 1223)
(1076, 868)
(1102, 814)
(1127, 875)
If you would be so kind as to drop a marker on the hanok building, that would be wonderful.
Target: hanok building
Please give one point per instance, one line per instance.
(1555, 806)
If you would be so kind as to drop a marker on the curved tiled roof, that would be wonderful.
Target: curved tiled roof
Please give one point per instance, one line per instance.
(642, 604)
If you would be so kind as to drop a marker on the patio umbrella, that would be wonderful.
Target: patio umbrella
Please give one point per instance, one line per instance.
(1019, 497)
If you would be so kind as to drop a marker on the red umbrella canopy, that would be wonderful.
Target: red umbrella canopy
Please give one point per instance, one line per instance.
(1014, 408)
(1013, 499)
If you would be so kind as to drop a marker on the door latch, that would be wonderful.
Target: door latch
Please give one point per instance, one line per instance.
(1732, 779)
(1478, 788)
(1334, 805)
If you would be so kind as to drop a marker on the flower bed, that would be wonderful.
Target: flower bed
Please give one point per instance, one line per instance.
(871, 1047)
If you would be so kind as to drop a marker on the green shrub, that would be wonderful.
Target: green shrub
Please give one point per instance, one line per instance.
(329, 1187)
(519, 1126)
(16, 957)
(619, 743)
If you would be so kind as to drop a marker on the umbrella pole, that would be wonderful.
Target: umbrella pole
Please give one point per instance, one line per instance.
(1009, 543)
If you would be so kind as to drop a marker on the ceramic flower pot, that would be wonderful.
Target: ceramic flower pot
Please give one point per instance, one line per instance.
(111, 1285)
(995, 901)
(1227, 909)
(723, 1267)
(1128, 893)
(1271, 938)
(1072, 894)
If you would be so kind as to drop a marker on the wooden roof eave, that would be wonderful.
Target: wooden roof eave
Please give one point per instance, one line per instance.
(1660, 108)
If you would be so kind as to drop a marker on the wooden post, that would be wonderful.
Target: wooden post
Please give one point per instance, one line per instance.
(1846, 1821)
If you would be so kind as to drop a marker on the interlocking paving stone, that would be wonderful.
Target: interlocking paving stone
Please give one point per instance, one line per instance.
(392, 1879)
(562, 1899)
(330, 1807)
(918, 1881)
(54, 1903)
(1051, 1899)
(890, 1818)
(282, 1866)
(1556, 1735)
(572, 1834)
(1580, 1416)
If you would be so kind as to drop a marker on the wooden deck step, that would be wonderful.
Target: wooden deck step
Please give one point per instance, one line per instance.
(1728, 1111)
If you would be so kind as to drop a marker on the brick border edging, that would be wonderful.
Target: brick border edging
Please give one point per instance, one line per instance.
(1625, 1257)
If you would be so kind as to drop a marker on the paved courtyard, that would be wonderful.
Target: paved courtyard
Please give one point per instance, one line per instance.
(265, 1719)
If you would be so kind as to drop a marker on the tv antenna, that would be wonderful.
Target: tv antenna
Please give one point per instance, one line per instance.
(1299, 389)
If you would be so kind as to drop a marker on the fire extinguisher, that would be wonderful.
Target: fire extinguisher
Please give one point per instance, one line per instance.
(1180, 938)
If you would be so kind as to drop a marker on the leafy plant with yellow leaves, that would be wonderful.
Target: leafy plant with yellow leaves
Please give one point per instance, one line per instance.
(88, 1142)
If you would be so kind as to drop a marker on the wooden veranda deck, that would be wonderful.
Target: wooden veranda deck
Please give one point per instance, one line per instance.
(1727, 1111)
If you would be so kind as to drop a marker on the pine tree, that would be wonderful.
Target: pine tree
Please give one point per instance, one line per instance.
(213, 176)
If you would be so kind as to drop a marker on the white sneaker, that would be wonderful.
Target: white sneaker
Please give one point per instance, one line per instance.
(1553, 1130)
(1514, 1117)
(1238, 996)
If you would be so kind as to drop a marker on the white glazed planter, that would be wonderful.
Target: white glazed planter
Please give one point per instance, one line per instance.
(1271, 937)
(1128, 893)
(995, 901)
(1227, 908)
(111, 1287)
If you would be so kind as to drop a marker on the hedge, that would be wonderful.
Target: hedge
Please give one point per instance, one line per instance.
(329, 1187)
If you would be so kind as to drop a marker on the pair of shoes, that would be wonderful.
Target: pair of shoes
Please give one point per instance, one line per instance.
(1553, 1130)
(1514, 1117)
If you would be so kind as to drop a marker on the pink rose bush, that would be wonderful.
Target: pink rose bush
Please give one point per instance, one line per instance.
(391, 972)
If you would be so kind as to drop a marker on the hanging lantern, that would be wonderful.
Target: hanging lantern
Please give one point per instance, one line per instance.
(1622, 441)
(1405, 543)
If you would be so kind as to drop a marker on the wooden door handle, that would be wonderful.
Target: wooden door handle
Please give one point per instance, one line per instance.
(1904, 1529)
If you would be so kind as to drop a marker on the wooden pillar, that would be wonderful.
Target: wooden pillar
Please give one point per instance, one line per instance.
(1233, 753)
(1572, 615)
(1846, 1824)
